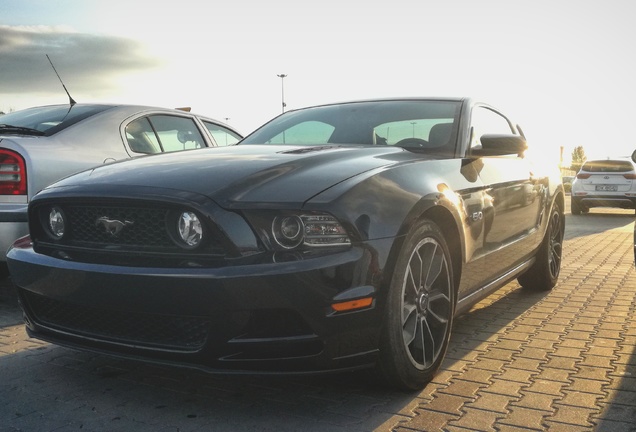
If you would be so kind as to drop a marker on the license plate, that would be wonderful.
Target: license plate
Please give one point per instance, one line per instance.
(607, 188)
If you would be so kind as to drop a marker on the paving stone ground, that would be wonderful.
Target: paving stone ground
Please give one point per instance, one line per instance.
(518, 361)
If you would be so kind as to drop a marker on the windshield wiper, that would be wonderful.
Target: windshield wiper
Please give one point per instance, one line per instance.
(5, 128)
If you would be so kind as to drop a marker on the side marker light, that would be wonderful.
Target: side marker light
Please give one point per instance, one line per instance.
(353, 304)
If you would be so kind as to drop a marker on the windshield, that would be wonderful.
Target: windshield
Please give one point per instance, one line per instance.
(424, 125)
(48, 119)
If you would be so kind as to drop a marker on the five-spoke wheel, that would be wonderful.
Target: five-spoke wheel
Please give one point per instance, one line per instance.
(420, 309)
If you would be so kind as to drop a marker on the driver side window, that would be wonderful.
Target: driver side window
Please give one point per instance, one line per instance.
(486, 121)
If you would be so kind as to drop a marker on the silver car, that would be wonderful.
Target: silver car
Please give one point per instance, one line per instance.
(604, 183)
(43, 144)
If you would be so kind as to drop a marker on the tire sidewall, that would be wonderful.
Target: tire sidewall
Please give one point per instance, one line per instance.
(539, 277)
(395, 362)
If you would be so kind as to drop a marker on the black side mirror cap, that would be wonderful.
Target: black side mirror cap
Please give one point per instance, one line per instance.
(500, 145)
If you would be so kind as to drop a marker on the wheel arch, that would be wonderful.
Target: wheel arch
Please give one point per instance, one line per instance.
(560, 199)
(452, 234)
(447, 218)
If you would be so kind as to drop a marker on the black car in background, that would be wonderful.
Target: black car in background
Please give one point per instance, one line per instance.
(334, 237)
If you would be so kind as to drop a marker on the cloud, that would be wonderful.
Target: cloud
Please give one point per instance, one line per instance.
(86, 62)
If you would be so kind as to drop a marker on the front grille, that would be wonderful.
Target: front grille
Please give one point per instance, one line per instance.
(144, 226)
(183, 333)
(123, 233)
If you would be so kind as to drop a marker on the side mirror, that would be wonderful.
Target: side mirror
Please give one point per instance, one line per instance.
(499, 145)
(634, 156)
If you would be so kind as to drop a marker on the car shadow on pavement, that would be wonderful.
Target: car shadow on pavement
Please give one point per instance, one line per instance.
(485, 325)
(82, 388)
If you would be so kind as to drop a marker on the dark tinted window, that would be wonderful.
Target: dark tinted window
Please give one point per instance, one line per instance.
(383, 122)
(487, 121)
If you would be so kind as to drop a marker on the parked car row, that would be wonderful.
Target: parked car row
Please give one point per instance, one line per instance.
(334, 237)
(43, 144)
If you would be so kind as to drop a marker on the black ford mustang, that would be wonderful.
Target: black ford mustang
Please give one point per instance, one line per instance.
(334, 237)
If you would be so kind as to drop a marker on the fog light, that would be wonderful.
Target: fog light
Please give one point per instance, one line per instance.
(57, 225)
(190, 229)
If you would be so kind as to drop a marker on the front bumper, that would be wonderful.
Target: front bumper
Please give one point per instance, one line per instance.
(270, 318)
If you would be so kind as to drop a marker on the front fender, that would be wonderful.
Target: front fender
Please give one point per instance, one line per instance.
(385, 203)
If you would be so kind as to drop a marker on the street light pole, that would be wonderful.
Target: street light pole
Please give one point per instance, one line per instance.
(282, 89)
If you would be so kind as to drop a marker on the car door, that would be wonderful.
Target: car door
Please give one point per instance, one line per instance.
(514, 193)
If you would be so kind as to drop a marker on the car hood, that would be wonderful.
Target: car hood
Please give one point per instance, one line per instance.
(238, 175)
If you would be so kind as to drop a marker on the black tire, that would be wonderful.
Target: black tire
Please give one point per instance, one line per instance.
(544, 273)
(575, 207)
(420, 305)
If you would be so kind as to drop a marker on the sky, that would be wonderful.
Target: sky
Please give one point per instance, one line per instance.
(562, 69)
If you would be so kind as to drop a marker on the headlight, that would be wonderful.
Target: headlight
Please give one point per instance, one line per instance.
(291, 231)
(324, 231)
(190, 229)
(56, 223)
(288, 231)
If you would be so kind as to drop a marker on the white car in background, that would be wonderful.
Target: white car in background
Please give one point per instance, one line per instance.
(604, 183)
(43, 144)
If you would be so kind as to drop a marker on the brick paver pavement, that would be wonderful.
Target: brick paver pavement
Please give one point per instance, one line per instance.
(518, 361)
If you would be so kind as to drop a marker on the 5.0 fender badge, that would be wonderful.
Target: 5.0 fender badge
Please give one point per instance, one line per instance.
(112, 226)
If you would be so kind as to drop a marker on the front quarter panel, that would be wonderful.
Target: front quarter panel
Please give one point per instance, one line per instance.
(384, 203)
